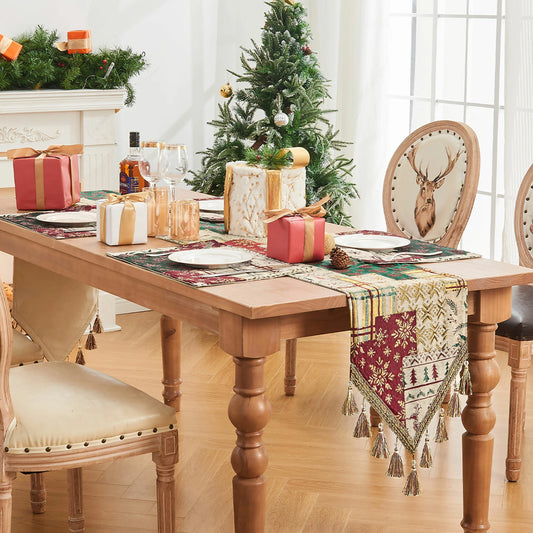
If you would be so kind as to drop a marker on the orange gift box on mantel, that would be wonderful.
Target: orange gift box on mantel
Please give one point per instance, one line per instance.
(78, 42)
(46, 179)
(8, 48)
(297, 236)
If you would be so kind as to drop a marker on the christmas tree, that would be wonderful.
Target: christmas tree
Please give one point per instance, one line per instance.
(279, 106)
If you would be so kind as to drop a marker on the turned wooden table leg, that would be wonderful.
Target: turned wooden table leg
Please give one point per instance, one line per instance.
(171, 353)
(249, 411)
(478, 419)
(291, 346)
(37, 493)
(519, 361)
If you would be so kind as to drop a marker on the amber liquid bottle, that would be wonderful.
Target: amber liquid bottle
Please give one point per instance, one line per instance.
(130, 176)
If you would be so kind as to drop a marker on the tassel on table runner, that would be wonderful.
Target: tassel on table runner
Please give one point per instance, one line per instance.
(97, 325)
(426, 461)
(349, 406)
(441, 434)
(362, 428)
(80, 358)
(380, 450)
(396, 463)
(454, 407)
(90, 343)
(465, 383)
(412, 485)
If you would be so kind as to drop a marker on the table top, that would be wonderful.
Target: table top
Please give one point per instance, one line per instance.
(85, 259)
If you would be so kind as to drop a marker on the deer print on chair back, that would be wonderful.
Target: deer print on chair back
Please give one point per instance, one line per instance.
(431, 182)
(425, 202)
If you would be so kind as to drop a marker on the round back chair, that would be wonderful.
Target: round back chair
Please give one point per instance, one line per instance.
(431, 183)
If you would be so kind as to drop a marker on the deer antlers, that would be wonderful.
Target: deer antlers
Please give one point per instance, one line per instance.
(423, 175)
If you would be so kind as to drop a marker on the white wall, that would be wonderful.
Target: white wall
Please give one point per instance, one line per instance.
(178, 93)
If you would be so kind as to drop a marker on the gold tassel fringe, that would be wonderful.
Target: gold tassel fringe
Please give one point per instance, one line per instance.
(80, 358)
(90, 343)
(362, 428)
(380, 450)
(442, 434)
(396, 463)
(465, 383)
(97, 325)
(454, 407)
(412, 485)
(349, 406)
(426, 461)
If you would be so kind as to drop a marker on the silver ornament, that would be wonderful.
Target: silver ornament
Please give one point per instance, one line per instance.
(281, 119)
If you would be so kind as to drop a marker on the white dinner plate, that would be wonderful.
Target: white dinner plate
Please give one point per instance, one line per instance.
(371, 242)
(212, 205)
(210, 257)
(72, 218)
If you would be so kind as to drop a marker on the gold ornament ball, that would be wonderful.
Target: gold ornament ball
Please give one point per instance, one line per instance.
(226, 90)
(329, 243)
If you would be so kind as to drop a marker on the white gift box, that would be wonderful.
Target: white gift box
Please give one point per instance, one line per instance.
(248, 197)
(113, 216)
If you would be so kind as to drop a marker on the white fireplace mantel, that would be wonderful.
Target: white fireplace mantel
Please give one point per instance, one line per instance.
(41, 118)
(44, 117)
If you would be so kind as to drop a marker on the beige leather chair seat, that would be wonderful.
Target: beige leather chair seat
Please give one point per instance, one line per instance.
(50, 400)
(25, 350)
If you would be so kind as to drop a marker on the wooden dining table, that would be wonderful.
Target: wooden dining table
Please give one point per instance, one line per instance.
(252, 318)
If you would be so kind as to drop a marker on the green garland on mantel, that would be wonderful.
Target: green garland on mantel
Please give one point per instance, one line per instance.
(42, 66)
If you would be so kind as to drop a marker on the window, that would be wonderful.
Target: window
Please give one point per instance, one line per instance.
(446, 59)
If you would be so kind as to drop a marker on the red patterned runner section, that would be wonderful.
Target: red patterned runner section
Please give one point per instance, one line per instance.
(408, 341)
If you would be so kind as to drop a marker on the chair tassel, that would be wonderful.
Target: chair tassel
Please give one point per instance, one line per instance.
(80, 358)
(426, 461)
(412, 485)
(454, 407)
(380, 450)
(442, 434)
(90, 343)
(97, 325)
(465, 383)
(396, 463)
(349, 406)
(362, 428)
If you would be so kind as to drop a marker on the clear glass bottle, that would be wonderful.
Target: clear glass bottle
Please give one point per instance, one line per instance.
(130, 175)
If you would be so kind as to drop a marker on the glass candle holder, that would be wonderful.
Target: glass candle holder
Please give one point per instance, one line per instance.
(157, 204)
(185, 220)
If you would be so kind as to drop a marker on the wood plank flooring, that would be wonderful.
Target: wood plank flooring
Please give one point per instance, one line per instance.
(319, 477)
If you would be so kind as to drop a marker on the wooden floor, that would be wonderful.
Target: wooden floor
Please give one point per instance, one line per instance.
(319, 477)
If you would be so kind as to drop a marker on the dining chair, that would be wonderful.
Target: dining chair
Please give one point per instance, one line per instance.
(54, 311)
(62, 415)
(515, 335)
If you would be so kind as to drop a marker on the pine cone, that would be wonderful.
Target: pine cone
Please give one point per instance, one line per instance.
(339, 259)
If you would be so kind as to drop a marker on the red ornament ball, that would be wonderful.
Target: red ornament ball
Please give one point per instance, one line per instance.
(104, 61)
(101, 68)
(307, 50)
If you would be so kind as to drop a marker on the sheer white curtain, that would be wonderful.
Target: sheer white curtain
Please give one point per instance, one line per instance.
(518, 104)
(351, 40)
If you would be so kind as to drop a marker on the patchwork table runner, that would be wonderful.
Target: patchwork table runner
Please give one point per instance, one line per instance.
(408, 340)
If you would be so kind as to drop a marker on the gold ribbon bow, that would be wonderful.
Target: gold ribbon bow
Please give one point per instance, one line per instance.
(62, 149)
(300, 158)
(307, 213)
(127, 219)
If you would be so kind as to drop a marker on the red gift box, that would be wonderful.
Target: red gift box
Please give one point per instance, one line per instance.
(296, 239)
(46, 179)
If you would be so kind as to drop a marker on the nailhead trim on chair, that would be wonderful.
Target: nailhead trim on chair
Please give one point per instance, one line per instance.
(85, 444)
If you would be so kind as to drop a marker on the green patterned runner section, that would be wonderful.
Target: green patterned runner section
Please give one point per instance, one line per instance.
(408, 340)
